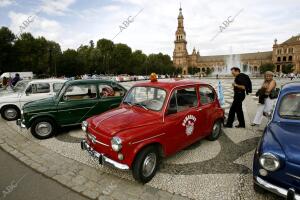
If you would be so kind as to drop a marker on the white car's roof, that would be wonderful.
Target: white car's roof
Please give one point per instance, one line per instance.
(52, 80)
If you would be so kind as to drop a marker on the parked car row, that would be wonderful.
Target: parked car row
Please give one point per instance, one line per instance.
(121, 78)
(26, 91)
(135, 129)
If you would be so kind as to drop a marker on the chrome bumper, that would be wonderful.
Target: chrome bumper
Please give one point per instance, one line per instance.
(20, 123)
(288, 194)
(103, 160)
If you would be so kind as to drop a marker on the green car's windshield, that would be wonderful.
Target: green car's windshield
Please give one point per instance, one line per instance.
(21, 86)
(57, 94)
(290, 106)
(149, 98)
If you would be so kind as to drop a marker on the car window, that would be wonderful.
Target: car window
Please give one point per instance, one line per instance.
(207, 95)
(113, 90)
(183, 99)
(290, 106)
(38, 88)
(186, 98)
(148, 97)
(57, 87)
(80, 92)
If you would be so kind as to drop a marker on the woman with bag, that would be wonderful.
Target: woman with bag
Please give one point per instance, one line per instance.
(267, 96)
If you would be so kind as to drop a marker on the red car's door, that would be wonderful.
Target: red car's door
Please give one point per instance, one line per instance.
(181, 123)
(207, 109)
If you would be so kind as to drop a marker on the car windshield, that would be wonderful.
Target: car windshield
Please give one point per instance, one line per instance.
(290, 106)
(146, 97)
(20, 86)
(60, 90)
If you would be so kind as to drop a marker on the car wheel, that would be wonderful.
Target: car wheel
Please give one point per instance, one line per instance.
(10, 113)
(146, 164)
(216, 131)
(258, 189)
(43, 128)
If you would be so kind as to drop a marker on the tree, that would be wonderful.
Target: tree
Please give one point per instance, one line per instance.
(70, 64)
(208, 71)
(286, 69)
(121, 59)
(106, 48)
(6, 49)
(41, 56)
(266, 67)
(138, 61)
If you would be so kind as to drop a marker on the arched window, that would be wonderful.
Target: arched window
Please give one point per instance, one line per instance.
(290, 58)
(255, 68)
(278, 59)
(278, 68)
(284, 59)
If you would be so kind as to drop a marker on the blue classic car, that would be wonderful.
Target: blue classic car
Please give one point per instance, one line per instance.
(276, 165)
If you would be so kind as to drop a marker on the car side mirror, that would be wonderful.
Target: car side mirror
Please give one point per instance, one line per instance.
(171, 111)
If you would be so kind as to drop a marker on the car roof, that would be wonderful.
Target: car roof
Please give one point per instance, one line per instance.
(170, 84)
(291, 87)
(85, 81)
(48, 80)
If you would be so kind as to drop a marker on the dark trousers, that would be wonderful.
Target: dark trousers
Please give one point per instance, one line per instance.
(237, 108)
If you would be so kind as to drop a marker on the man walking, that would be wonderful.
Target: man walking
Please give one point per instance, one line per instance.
(241, 85)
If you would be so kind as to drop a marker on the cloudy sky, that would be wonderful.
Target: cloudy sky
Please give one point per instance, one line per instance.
(76, 22)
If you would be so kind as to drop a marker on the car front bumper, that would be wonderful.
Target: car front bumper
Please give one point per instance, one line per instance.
(103, 160)
(288, 194)
(20, 123)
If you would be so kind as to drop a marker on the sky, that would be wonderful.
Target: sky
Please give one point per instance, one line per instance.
(151, 24)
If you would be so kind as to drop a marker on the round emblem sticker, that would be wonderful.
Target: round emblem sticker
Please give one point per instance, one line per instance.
(189, 123)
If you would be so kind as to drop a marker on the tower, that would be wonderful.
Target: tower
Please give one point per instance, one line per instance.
(180, 54)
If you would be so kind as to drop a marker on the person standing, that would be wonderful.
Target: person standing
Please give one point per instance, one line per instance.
(15, 79)
(265, 99)
(241, 86)
(4, 82)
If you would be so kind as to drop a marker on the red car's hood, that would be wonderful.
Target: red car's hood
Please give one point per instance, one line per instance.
(123, 118)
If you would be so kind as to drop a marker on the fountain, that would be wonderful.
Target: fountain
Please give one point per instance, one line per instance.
(232, 60)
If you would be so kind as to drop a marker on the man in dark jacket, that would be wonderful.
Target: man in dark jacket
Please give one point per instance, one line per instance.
(16, 79)
(241, 85)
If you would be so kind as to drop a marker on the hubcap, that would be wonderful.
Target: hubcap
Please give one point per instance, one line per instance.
(149, 164)
(43, 128)
(216, 129)
(11, 113)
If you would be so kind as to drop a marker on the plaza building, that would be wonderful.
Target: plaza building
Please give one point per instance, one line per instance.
(282, 55)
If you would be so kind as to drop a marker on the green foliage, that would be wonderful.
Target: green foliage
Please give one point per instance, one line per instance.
(193, 70)
(208, 71)
(286, 69)
(42, 56)
(266, 67)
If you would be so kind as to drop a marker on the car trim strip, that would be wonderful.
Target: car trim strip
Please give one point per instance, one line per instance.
(273, 188)
(94, 140)
(148, 138)
(294, 176)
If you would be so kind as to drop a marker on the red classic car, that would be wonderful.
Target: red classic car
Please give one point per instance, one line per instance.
(156, 119)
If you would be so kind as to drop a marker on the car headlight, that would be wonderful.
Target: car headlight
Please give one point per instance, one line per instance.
(116, 144)
(84, 126)
(269, 162)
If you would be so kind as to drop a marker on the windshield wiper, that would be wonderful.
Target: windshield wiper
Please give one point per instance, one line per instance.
(127, 102)
(141, 105)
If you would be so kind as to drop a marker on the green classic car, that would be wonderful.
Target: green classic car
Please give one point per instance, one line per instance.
(76, 101)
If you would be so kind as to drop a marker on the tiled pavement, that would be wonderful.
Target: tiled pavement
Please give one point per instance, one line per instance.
(81, 178)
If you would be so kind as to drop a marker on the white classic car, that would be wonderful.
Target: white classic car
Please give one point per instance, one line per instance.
(11, 103)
